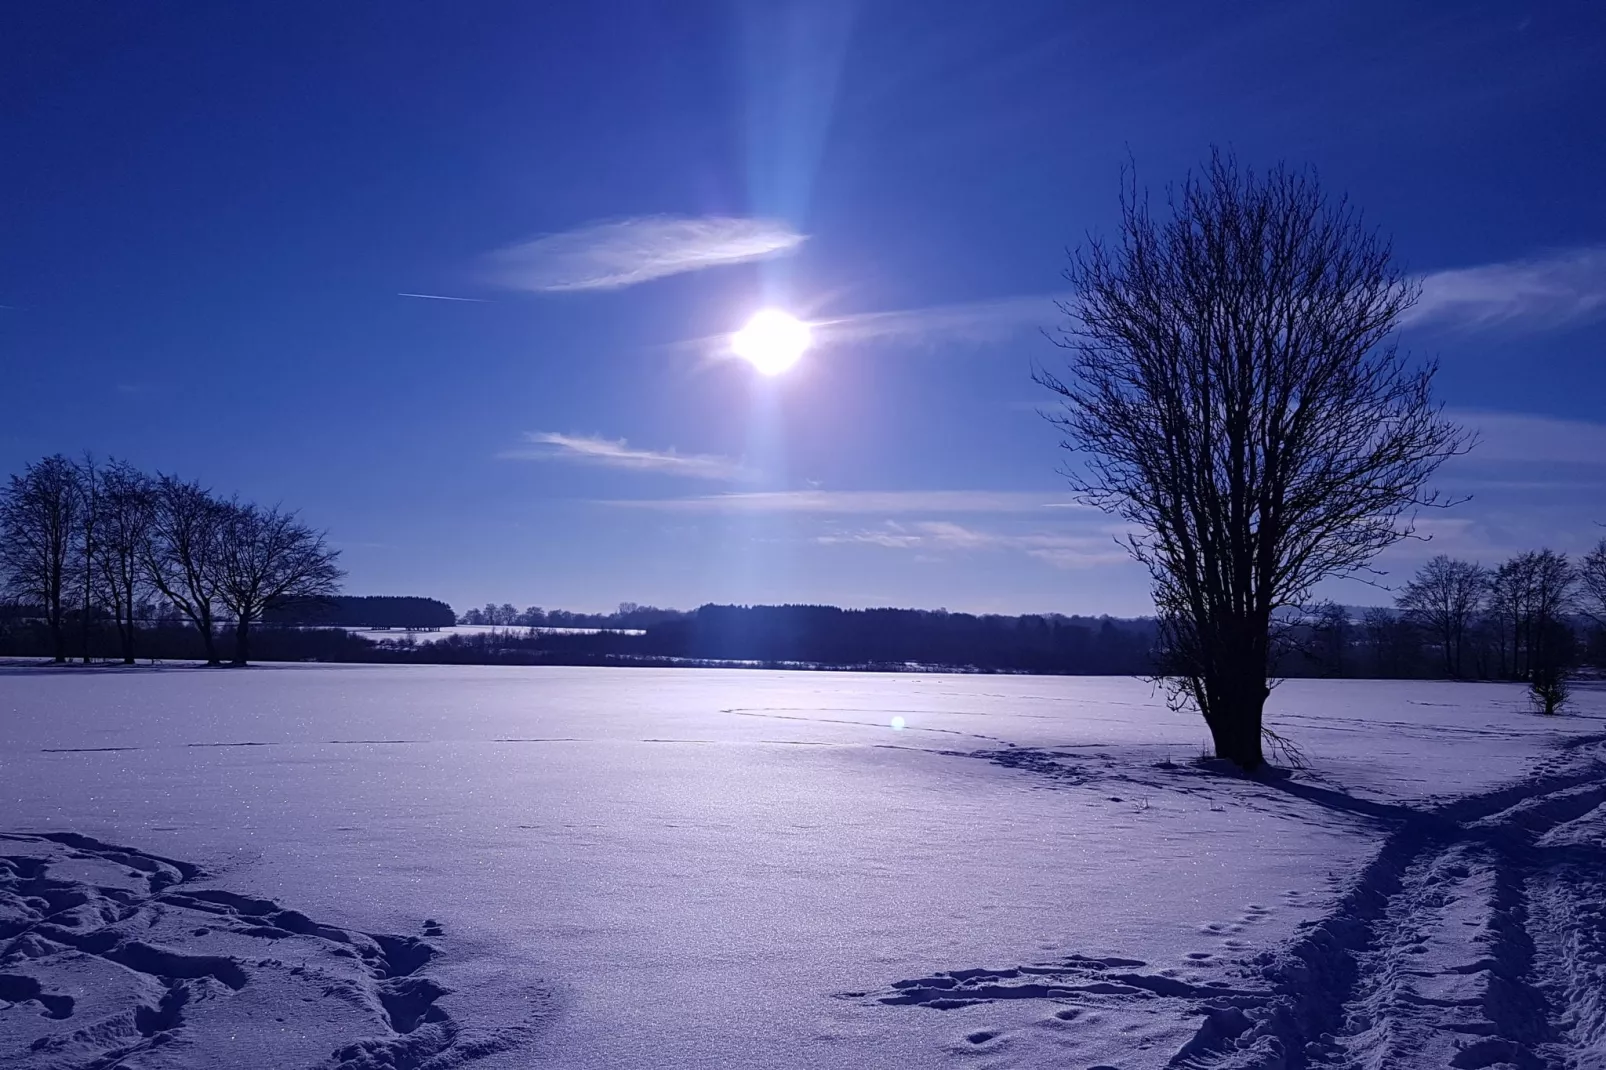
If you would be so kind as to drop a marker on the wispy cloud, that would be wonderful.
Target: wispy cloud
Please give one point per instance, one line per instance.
(976, 321)
(1550, 291)
(1492, 536)
(617, 453)
(443, 297)
(624, 252)
(1520, 436)
(1060, 549)
(857, 502)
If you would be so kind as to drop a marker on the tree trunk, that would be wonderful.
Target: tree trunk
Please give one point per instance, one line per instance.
(85, 628)
(125, 632)
(1237, 701)
(58, 634)
(209, 641)
(1238, 739)
(242, 637)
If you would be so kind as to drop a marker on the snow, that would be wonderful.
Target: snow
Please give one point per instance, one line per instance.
(424, 866)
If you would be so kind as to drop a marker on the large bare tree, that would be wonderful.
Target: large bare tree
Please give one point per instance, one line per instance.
(269, 559)
(127, 508)
(40, 514)
(182, 555)
(1443, 600)
(1234, 394)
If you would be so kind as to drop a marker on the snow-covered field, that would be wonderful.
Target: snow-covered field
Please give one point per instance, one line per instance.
(428, 867)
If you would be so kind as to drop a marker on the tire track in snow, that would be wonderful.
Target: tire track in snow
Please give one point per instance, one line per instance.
(1475, 938)
(1567, 904)
(1429, 959)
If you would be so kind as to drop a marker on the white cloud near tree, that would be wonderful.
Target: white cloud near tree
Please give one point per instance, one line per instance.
(1547, 291)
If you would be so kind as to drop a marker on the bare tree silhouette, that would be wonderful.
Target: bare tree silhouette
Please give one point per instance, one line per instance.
(87, 548)
(181, 558)
(39, 520)
(1233, 393)
(269, 559)
(127, 504)
(1443, 600)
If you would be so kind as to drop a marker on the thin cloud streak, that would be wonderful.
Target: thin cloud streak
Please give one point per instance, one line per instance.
(1491, 538)
(977, 321)
(1551, 291)
(625, 252)
(855, 502)
(1520, 436)
(443, 297)
(617, 453)
(935, 536)
(1541, 292)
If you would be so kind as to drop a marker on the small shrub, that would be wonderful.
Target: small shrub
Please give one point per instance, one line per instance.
(1549, 689)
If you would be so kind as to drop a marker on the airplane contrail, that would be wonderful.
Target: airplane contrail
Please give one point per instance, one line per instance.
(443, 297)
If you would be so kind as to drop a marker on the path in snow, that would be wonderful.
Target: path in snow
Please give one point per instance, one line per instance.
(1475, 939)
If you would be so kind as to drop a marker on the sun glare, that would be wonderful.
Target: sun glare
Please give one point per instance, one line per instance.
(771, 341)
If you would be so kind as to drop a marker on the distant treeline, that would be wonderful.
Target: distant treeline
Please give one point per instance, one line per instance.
(628, 615)
(795, 636)
(806, 635)
(827, 635)
(176, 639)
(365, 611)
(831, 636)
(1534, 618)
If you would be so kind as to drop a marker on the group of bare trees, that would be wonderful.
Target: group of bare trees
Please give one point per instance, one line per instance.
(83, 541)
(1512, 622)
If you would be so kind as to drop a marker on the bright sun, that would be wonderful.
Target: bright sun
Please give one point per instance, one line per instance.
(771, 341)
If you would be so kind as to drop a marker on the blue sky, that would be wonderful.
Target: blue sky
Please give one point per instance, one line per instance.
(212, 211)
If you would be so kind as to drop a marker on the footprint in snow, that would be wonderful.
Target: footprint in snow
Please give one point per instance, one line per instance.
(128, 967)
